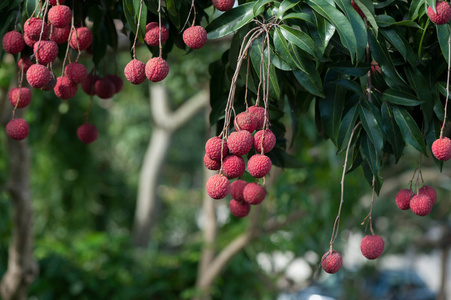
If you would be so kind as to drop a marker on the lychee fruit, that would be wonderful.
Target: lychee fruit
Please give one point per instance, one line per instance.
(81, 38)
(65, 89)
(259, 113)
(88, 85)
(357, 9)
(223, 5)
(254, 193)
(13, 42)
(32, 28)
(430, 192)
(403, 198)
(60, 16)
(331, 262)
(54, 2)
(135, 71)
(17, 129)
(104, 88)
(372, 246)
(60, 35)
(443, 13)
(239, 209)
(269, 141)
(46, 52)
(233, 166)
(152, 36)
(421, 204)
(236, 190)
(87, 133)
(259, 165)
(211, 164)
(21, 95)
(218, 186)
(157, 69)
(24, 63)
(117, 81)
(245, 121)
(441, 148)
(51, 84)
(213, 148)
(240, 142)
(28, 41)
(76, 72)
(195, 37)
(38, 76)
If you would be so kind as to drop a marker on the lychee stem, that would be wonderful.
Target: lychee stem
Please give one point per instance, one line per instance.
(371, 207)
(72, 28)
(34, 11)
(46, 5)
(247, 80)
(17, 17)
(137, 29)
(447, 86)
(159, 28)
(89, 109)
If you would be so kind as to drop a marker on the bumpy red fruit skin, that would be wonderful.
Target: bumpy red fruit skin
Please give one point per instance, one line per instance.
(38, 76)
(357, 9)
(135, 71)
(60, 16)
(259, 113)
(240, 142)
(443, 13)
(213, 148)
(60, 35)
(195, 37)
(430, 192)
(403, 198)
(211, 164)
(152, 37)
(25, 97)
(76, 72)
(84, 38)
(223, 5)
(51, 84)
(233, 166)
(441, 148)
(239, 209)
(53, 2)
(13, 42)
(372, 246)
(28, 41)
(269, 141)
(88, 85)
(118, 82)
(157, 69)
(259, 165)
(87, 133)
(104, 88)
(218, 186)
(331, 262)
(64, 88)
(245, 121)
(46, 53)
(25, 63)
(236, 190)
(17, 129)
(421, 205)
(254, 193)
(32, 28)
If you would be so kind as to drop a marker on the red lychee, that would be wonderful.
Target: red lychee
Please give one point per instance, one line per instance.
(21, 95)
(64, 88)
(443, 13)
(76, 72)
(239, 209)
(157, 69)
(218, 186)
(13, 42)
(213, 148)
(60, 16)
(240, 142)
(236, 190)
(135, 71)
(46, 52)
(430, 192)
(403, 198)
(152, 36)
(331, 262)
(118, 82)
(259, 165)
(195, 37)
(88, 85)
(441, 148)
(211, 164)
(24, 63)
(223, 5)
(245, 121)
(254, 193)
(104, 88)
(421, 204)
(80, 38)
(38, 76)
(259, 113)
(372, 246)
(17, 129)
(357, 9)
(87, 133)
(28, 41)
(269, 141)
(32, 28)
(51, 84)
(60, 35)
(54, 2)
(233, 166)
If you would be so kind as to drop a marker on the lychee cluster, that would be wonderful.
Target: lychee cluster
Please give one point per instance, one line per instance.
(421, 203)
(442, 14)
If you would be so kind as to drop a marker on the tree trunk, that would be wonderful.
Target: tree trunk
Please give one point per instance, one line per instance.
(444, 277)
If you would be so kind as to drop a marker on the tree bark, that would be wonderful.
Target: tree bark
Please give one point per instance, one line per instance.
(444, 275)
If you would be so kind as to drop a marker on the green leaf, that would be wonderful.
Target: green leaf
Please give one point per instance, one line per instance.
(369, 177)
(259, 6)
(346, 126)
(371, 154)
(385, 20)
(347, 68)
(299, 16)
(282, 50)
(431, 3)
(368, 11)
(171, 7)
(415, 7)
(409, 129)
(331, 109)
(300, 39)
(401, 45)
(131, 11)
(230, 21)
(392, 132)
(350, 85)
(372, 127)
(286, 5)
(443, 32)
(401, 98)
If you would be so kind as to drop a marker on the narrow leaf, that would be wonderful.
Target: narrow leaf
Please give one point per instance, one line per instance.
(409, 129)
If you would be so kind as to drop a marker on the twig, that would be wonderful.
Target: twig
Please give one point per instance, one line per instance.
(137, 29)
(447, 86)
